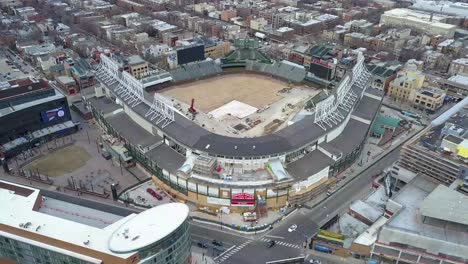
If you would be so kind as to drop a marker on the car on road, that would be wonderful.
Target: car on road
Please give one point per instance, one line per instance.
(154, 194)
(217, 243)
(377, 174)
(315, 261)
(202, 244)
(271, 243)
(292, 228)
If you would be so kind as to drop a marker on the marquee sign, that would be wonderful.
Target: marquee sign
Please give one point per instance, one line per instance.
(242, 199)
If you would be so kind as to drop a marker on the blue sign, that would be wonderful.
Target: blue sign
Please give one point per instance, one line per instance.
(53, 114)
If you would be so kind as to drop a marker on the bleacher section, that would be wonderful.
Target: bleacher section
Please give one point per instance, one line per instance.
(284, 69)
(195, 70)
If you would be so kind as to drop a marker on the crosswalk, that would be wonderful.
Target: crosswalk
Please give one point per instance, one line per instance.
(229, 253)
(282, 243)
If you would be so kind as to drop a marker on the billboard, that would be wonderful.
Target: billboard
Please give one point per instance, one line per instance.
(321, 69)
(242, 199)
(52, 114)
(190, 54)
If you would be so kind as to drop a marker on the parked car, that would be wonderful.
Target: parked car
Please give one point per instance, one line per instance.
(292, 228)
(202, 244)
(315, 261)
(217, 243)
(271, 243)
(154, 194)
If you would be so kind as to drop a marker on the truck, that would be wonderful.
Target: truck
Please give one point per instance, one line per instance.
(322, 248)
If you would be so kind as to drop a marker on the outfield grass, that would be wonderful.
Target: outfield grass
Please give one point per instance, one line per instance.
(60, 162)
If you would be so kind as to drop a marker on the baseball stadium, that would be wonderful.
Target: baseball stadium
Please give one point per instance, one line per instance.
(245, 131)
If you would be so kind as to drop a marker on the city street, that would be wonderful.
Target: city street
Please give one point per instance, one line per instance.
(252, 249)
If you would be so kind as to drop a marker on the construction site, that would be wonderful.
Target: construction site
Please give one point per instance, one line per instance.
(240, 104)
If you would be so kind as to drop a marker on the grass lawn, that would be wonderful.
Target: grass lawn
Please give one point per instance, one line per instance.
(60, 162)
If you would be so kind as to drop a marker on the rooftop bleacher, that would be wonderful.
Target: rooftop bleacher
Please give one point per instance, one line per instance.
(195, 70)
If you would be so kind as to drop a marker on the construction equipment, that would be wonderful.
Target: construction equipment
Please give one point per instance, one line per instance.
(290, 86)
(192, 108)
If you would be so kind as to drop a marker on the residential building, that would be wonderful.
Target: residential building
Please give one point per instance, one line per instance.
(227, 15)
(31, 232)
(361, 26)
(158, 50)
(429, 99)
(137, 66)
(382, 74)
(67, 84)
(214, 48)
(456, 86)
(258, 24)
(424, 22)
(459, 66)
(403, 87)
(305, 28)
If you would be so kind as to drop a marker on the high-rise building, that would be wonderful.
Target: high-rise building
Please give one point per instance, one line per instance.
(35, 228)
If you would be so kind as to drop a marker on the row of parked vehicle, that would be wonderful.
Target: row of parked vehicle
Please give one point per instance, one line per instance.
(154, 194)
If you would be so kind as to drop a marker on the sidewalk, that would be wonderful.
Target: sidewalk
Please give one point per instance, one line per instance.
(236, 219)
(333, 259)
(199, 256)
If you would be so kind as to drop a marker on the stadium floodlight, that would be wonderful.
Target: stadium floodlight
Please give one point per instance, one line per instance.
(128, 88)
(162, 110)
(327, 113)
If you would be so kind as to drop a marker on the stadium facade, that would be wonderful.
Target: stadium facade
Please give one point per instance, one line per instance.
(301, 160)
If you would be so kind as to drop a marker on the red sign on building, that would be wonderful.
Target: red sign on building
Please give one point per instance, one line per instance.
(242, 199)
(321, 63)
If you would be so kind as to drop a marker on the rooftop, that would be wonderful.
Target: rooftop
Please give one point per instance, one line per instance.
(446, 7)
(446, 204)
(23, 208)
(369, 212)
(419, 17)
(142, 230)
(461, 61)
(461, 79)
(135, 59)
(408, 226)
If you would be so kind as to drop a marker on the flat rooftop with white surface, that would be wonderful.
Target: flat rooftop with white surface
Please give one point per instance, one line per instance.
(74, 233)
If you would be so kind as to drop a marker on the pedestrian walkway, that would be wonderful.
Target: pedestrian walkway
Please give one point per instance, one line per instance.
(228, 253)
(281, 243)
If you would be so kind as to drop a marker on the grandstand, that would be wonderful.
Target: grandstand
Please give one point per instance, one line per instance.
(196, 70)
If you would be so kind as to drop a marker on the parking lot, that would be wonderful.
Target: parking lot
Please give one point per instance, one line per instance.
(142, 195)
(13, 67)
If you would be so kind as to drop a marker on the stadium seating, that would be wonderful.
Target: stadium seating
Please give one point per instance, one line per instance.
(195, 70)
